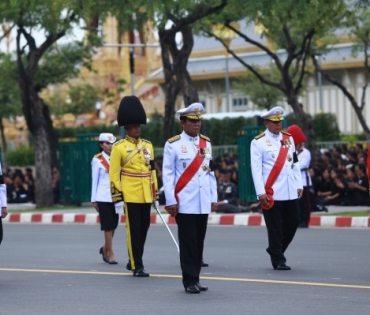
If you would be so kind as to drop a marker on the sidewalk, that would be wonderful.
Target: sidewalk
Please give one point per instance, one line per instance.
(88, 215)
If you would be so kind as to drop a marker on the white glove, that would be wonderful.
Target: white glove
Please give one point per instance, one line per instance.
(156, 204)
(119, 207)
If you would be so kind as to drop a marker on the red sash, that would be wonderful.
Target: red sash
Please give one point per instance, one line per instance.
(104, 162)
(280, 161)
(190, 171)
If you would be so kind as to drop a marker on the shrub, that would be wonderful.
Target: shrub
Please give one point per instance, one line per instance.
(23, 156)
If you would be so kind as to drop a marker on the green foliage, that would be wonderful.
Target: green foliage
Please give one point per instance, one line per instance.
(291, 119)
(23, 156)
(62, 63)
(264, 96)
(326, 127)
(82, 99)
(10, 101)
(71, 132)
(353, 137)
(153, 131)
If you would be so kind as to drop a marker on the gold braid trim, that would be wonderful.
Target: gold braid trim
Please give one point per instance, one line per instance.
(117, 195)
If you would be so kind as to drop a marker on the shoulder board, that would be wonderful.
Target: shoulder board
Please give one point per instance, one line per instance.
(286, 133)
(97, 155)
(146, 140)
(206, 138)
(173, 139)
(260, 136)
(119, 142)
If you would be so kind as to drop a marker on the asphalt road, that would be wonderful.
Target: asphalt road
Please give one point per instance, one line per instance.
(56, 269)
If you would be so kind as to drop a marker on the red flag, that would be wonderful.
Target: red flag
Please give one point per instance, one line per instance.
(368, 165)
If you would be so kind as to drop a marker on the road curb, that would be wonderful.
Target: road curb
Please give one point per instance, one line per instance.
(213, 219)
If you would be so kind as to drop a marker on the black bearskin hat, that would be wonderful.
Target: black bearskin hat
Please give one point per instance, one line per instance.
(131, 112)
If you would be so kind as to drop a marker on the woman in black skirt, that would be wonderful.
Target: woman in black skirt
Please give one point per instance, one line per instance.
(101, 196)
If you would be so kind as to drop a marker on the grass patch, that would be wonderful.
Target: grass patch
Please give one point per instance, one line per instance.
(364, 213)
(53, 208)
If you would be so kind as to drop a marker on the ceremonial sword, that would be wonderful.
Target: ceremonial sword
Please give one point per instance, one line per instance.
(164, 222)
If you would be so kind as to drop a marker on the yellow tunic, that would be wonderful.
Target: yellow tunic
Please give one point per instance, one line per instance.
(125, 178)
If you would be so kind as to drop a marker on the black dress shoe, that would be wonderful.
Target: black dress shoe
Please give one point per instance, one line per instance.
(140, 273)
(201, 287)
(192, 289)
(282, 266)
(128, 266)
(113, 262)
(204, 264)
(102, 254)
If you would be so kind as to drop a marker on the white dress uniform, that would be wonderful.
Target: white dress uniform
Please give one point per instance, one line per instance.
(100, 187)
(201, 190)
(282, 218)
(304, 158)
(3, 200)
(195, 199)
(100, 190)
(264, 152)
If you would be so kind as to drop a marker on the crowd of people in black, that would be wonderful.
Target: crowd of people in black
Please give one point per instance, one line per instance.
(20, 185)
(339, 177)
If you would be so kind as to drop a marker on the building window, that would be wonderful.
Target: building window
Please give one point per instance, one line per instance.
(240, 102)
(203, 103)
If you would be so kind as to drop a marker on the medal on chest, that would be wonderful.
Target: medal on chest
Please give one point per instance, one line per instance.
(147, 155)
(184, 149)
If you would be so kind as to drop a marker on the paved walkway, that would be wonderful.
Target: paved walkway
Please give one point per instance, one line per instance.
(87, 215)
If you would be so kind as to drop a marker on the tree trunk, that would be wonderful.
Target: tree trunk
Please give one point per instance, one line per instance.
(180, 61)
(34, 114)
(44, 189)
(171, 88)
(3, 141)
(51, 136)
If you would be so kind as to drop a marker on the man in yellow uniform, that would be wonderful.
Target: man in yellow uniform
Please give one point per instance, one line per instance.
(133, 180)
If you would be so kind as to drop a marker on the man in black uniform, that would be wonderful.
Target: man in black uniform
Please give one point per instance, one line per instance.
(227, 195)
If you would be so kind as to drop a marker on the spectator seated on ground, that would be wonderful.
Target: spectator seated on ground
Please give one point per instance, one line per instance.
(56, 185)
(227, 195)
(359, 188)
(19, 194)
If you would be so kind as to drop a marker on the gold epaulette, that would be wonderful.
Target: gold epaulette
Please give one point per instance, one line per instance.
(119, 142)
(97, 155)
(205, 137)
(260, 136)
(146, 140)
(173, 139)
(286, 133)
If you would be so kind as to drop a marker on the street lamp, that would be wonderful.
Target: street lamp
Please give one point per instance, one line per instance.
(226, 36)
(227, 83)
(319, 83)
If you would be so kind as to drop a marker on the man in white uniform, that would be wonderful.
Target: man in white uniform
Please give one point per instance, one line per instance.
(306, 203)
(278, 183)
(191, 191)
(3, 203)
